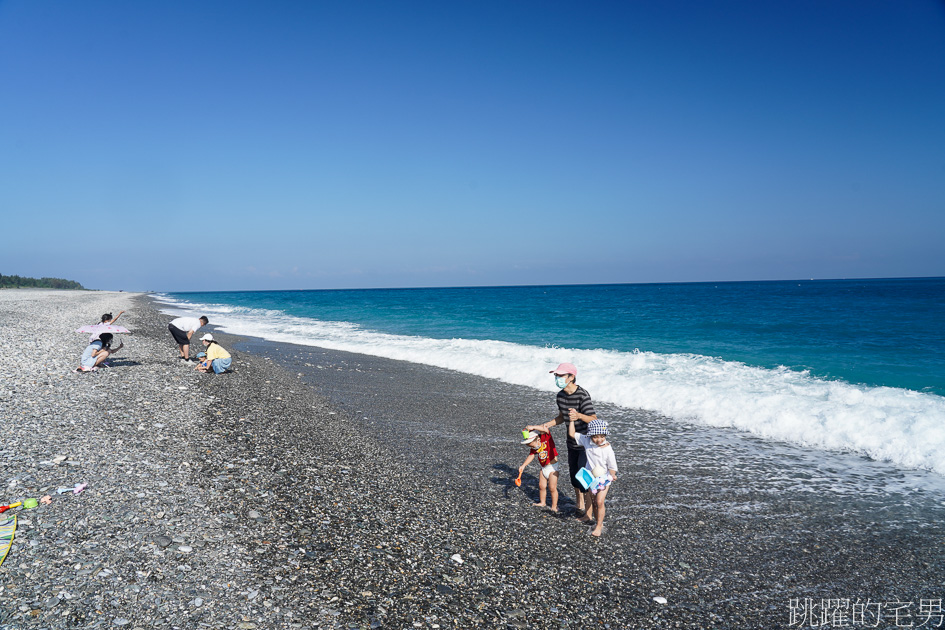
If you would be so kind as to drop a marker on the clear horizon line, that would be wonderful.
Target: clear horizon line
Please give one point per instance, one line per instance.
(519, 286)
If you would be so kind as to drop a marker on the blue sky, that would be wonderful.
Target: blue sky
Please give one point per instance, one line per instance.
(246, 145)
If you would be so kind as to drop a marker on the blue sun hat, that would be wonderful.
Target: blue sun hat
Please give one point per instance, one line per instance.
(597, 427)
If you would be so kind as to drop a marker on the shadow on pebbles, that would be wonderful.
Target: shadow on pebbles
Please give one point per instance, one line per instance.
(246, 500)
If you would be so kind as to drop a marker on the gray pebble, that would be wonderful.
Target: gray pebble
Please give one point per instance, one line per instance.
(365, 538)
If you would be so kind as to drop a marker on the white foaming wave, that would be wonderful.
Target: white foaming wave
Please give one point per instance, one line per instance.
(901, 426)
(179, 307)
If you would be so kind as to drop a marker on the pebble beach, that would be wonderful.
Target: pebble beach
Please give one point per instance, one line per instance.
(309, 488)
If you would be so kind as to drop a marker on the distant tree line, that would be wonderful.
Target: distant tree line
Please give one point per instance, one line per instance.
(19, 282)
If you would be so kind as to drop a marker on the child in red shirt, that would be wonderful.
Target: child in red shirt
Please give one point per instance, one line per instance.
(543, 446)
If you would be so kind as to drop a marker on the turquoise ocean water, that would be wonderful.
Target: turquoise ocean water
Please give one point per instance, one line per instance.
(853, 365)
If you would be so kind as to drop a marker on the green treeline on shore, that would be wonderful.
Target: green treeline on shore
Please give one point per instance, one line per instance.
(19, 282)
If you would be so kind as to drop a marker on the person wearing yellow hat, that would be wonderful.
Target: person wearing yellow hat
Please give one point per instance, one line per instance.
(542, 446)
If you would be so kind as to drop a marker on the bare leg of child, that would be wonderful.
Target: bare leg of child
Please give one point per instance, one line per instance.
(599, 511)
(542, 490)
(553, 486)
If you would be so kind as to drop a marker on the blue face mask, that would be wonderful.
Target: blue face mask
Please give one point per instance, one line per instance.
(561, 381)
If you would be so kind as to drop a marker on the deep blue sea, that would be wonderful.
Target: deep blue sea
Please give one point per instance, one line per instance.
(853, 365)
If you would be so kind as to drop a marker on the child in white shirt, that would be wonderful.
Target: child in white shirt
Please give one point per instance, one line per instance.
(599, 453)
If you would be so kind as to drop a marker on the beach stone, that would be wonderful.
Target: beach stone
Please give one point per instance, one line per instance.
(361, 555)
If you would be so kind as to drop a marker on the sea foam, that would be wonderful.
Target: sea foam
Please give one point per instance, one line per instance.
(904, 427)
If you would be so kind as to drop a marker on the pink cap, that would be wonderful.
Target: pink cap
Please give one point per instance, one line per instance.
(565, 368)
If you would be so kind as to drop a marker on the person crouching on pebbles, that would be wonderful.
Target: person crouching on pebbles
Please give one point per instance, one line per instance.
(182, 329)
(600, 458)
(574, 403)
(543, 447)
(107, 319)
(216, 359)
(96, 353)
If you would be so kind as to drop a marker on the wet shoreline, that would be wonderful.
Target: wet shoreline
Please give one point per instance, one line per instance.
(311, 488)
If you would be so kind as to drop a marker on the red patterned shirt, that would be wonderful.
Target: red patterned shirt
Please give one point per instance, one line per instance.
(546, 450)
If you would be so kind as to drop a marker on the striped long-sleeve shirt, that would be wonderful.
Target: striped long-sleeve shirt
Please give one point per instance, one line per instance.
(580, 401)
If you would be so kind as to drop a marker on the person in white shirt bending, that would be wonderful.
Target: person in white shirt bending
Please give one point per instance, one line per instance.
(182, 329)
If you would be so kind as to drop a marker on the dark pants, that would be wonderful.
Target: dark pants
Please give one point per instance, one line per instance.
(179, 335)
(576, 461)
